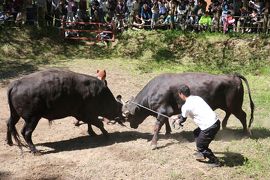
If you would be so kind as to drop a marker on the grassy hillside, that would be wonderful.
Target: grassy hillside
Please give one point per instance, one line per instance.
(198, 52)
(25, 48)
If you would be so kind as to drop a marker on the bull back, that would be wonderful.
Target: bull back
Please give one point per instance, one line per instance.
(219, 91)
(55, 94)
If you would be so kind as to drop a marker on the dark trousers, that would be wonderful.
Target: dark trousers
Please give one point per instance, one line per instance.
(204, 137)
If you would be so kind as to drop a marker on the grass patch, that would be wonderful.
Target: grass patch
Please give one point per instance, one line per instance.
(258, 163)
(206, 52)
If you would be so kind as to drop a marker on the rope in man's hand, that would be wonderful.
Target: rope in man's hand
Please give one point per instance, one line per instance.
(176, 120)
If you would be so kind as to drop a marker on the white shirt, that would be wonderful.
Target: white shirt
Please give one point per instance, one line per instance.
(199, 111)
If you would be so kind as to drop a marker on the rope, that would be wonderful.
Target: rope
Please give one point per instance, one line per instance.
(150, 110)
(173, 123)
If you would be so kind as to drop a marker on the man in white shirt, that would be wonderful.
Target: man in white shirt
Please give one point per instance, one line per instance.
(206, 119)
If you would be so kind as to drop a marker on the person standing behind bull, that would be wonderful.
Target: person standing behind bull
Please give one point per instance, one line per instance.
(101, 75)
(205, 118)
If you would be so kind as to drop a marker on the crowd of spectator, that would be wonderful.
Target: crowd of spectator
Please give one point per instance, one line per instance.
(193, 15)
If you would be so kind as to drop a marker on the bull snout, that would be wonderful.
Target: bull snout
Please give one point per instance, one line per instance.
(129, 118)
(125, 114)
(134, 126)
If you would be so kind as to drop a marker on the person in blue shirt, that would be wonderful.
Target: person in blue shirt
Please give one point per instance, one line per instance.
(146, 14)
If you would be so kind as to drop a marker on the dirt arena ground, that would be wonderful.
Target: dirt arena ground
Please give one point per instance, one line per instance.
(69, 153)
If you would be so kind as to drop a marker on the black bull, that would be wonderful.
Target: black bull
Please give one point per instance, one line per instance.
(219, 91)
(55, 94)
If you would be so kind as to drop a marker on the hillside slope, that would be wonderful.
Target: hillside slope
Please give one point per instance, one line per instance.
(27, 47)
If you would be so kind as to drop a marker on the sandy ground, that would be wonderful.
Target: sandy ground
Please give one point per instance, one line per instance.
(69, 153)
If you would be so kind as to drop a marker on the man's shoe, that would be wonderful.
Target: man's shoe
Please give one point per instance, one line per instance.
(214, 162)
(199, 156)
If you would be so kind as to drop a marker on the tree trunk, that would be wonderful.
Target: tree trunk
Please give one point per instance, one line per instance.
(245, 3)
(266, 18)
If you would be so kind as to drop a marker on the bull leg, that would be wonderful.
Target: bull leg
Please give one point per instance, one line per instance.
(157, 128)
(91, 132)
(99, 124)
(12, 121)
(241, 115)
(168, 127)
(23, 130)
(166, 109)
(28, 129)
(225, 120)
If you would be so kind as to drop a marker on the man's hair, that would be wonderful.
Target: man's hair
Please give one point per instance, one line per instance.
(184, 89)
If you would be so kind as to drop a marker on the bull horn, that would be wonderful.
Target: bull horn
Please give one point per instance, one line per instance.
(120, 99)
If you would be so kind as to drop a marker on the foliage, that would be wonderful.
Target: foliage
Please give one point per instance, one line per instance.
(212, 52)
(199, 52)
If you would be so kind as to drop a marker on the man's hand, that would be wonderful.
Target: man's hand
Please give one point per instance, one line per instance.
(176, 119)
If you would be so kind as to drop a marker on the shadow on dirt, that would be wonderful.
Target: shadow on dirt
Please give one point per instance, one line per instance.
(237, 134)
(5, 175)
(231, 159)
(226, 134)
(86, 142)
(10, 69)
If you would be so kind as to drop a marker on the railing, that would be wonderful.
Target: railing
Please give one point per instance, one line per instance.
(90, 31)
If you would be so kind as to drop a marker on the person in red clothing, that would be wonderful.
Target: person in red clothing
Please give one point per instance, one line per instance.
(230, 22)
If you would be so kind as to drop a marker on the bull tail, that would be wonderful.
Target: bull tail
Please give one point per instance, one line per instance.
(252, 106)
(12, 121)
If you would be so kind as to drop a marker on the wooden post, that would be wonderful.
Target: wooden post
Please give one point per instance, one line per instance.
(265, 17)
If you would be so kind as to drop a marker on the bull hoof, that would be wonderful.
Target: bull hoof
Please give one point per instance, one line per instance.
(37, 153)
(247, 133)
(224, 128)
(154, 146)
(9, 142)
(92, 133)
(168, 133)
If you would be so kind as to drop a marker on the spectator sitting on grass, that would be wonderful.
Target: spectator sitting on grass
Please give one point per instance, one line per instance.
(146, 14)
(229, 22)
(162, 8)
(205, 21)
(155, 14)
(137, 22)
(134, 13)
(168, 19)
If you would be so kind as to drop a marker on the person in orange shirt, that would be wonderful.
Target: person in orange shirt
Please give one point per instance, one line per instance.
(101, 75)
